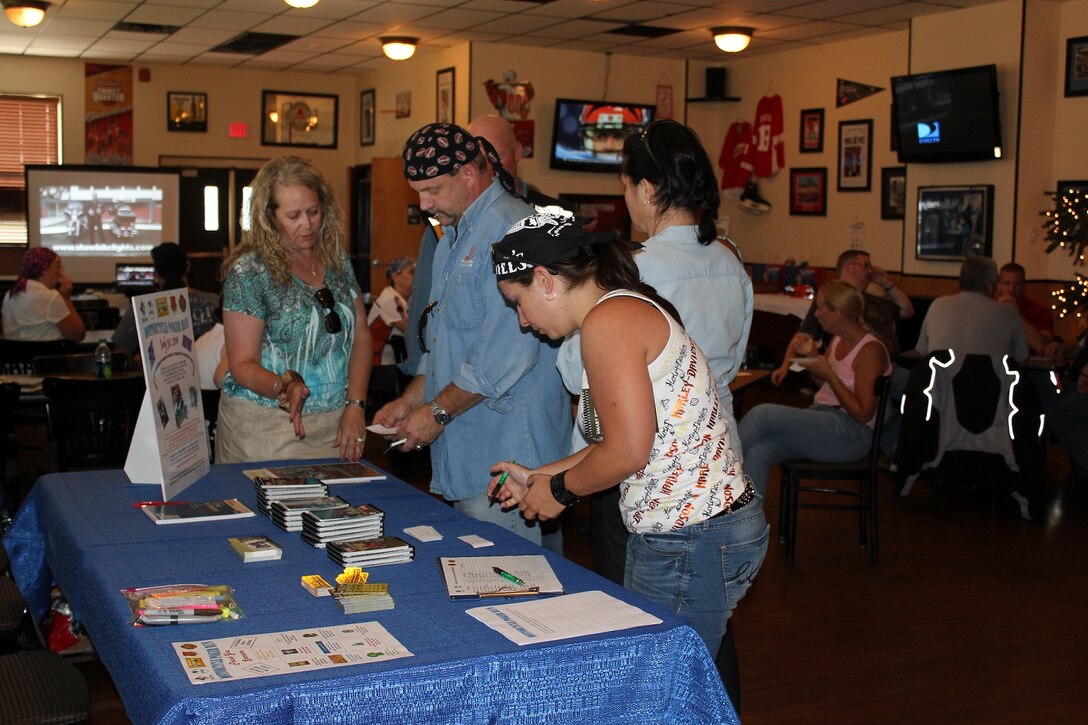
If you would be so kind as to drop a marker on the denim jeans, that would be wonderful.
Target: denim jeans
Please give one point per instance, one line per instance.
(701, 571)
(775, 433)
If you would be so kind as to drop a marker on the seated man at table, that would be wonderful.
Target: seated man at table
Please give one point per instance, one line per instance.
(972, 321)
(1037, 318)
(881, 312)
(171, 272)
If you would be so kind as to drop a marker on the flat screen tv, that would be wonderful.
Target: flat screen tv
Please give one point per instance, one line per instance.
(947, 116)
(95, 217)
(589, 135)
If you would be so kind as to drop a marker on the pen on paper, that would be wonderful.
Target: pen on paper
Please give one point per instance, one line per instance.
(508, 576)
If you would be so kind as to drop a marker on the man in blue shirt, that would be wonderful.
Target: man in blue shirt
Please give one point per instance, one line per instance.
(485, 390)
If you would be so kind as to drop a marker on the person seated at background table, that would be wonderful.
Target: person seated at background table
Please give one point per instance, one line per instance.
(298, 350)
(972, 321)
(855, 267)
(1037, 318)
(839, 424)
(388, 315)
(672, 196)
(1067, 413)
(171, 272)
(650, 408)
(39, 304)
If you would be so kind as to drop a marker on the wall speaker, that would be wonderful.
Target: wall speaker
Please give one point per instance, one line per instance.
(715, 83)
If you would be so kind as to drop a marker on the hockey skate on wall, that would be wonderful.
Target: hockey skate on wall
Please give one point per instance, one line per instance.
(750, 200)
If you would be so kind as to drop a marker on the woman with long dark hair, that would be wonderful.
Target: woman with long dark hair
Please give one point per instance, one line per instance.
(650, 408)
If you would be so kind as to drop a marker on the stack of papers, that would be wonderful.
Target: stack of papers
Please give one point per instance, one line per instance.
(370, 552)
(255, 548)
(357, 597)
(345, 524)
(180, 512)
(285, 489)
(327, 472)
(288, 514)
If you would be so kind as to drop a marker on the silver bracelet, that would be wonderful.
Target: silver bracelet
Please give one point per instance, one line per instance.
(355, 402)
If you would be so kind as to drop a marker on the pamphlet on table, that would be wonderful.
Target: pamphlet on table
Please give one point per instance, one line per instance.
(263, 655)
(324, 472)
(183, 512)
(498, 576)
(170, 444)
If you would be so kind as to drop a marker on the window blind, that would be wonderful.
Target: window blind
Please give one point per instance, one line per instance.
(31, 136)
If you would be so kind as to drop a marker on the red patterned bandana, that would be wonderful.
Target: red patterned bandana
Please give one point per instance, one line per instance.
(443, 148)
(35, 262)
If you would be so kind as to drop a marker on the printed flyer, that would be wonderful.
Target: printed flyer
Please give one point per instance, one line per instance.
(280, 653)
(170, 444)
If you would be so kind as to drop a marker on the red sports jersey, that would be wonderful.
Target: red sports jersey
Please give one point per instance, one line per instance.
(769, 152)
(735, 159)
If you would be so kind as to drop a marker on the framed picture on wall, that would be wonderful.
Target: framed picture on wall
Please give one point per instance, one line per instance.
(893, 192)
(855, 155)
(367, 117)
(610, 211)
(808, 192)
(298, 119)
(954, 222)
(1076, 66)
(186, 111)
(444, 88)
(812, 130)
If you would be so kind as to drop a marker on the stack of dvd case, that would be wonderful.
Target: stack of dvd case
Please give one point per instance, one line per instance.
(358, 597)
(370, 552)
(344, 524)
(288, 514)
(285, 489)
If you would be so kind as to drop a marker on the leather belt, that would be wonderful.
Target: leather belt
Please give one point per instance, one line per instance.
(740, 502)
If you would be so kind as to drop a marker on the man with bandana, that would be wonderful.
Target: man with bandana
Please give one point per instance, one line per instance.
(484, 388)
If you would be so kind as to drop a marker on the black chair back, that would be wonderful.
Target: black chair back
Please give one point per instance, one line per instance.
(9, 398)
(45, 365)
(17, 356)
(92, 421)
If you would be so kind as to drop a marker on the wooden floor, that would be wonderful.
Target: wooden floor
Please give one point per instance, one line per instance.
(972, 615)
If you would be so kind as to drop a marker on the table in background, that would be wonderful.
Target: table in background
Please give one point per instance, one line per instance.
(83, 528)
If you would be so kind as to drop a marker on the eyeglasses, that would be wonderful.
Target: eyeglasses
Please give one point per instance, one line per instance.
(422, 327)
(328, 302)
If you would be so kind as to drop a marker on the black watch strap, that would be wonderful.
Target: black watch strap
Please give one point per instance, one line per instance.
(560, 492)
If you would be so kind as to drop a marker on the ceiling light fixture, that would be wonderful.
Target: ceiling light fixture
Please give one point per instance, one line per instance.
(732, 38)
(301, 4)
(25, 13)
(398, 47)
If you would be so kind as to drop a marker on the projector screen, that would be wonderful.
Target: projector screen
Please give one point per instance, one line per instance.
(97, 216)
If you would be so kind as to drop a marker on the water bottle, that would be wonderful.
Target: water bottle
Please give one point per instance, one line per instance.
(103, 360)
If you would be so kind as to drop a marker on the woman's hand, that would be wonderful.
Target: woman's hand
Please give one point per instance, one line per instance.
(513, 489)
(818, 367)
(351, 437)
(538, 502)
(780, 373)
(296, 397)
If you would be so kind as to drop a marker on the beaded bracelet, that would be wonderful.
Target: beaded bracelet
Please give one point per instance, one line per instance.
(288, 377)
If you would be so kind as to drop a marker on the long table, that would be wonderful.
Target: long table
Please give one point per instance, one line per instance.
(82, 530)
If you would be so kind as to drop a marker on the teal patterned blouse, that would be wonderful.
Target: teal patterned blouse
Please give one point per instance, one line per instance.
(294, 336)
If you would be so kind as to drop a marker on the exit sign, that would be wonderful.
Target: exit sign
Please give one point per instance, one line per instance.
(238, 130)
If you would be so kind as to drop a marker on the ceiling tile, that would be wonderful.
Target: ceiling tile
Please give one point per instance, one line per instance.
(205, 37)
(227, 20)
(284, 25)
(457, 19)
(92, 10)
(576, 29)
(644, 11)
(519, 24)
(574, 8)
(163, 15)
(124, 47)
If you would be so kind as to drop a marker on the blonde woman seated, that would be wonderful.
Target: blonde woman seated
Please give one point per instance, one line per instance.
(839, 425)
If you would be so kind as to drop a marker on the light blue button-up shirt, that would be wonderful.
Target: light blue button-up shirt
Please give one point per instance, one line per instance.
(476, 343)
(710, 289)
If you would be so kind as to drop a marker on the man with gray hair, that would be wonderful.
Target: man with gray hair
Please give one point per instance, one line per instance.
(484, 388)
(972, 321)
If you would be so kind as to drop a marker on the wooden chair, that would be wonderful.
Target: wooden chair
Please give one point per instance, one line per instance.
(92, 421)
(17, 356)
(863, 471)
(209, 401)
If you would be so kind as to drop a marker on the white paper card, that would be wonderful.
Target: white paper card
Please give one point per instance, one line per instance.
(555, 618)
(423, 533)
(476, 542)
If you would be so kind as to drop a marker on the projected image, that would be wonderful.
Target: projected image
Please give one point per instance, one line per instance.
(88, 220)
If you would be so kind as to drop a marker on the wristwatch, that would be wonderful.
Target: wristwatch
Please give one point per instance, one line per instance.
(441, 415)
(560, 492)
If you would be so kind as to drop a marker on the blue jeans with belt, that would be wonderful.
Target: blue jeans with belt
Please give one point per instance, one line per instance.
(701, 571)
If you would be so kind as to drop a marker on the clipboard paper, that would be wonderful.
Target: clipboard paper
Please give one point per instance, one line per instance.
(473, 577)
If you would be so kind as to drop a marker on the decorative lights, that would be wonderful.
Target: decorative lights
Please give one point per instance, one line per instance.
(1066, 228)
(398, 47)
(25, 13)
(732, 38)
(301, 4)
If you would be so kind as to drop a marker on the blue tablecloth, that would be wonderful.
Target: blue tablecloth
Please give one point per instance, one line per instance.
(82, 529)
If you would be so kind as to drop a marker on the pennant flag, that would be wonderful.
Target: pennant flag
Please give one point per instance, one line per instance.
(850, 91)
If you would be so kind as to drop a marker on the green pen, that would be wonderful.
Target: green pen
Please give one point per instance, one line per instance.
(502, 480)
(508, 576)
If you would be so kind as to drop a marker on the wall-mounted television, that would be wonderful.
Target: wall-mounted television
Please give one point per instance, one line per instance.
(97, 216)
(947, 116)
(589, 135)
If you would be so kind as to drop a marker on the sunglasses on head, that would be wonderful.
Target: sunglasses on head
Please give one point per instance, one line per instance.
(328, 302)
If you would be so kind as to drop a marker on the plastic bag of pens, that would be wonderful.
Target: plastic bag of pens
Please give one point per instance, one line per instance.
(181, 604)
